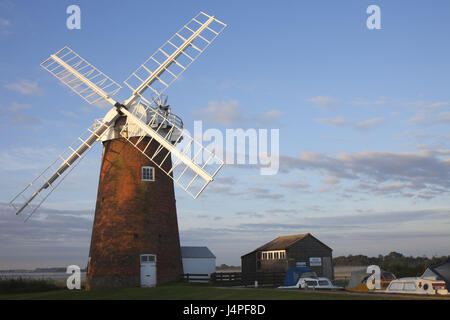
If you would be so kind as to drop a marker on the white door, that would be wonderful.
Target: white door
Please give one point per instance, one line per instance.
(148, 270)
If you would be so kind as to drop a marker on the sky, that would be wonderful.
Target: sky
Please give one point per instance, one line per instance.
(362, 117)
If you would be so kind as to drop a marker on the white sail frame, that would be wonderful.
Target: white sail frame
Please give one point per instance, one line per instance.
(38, 190)
(93, 86)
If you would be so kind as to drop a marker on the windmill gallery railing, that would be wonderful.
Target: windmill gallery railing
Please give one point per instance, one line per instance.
(226, 279)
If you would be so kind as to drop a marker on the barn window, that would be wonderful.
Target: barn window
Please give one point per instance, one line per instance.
(274, 255)
(148, 174)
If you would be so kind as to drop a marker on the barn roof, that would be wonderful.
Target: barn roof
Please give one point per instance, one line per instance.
(283, 242)
(196, 252)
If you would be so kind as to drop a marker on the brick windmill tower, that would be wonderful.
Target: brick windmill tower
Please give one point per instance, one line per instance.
(135, 215)
(135, 238)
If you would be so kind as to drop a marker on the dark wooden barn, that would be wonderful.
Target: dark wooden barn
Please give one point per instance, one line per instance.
(286, 252)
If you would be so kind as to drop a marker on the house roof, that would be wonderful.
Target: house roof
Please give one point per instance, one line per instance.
(196, 252)
(284, 242)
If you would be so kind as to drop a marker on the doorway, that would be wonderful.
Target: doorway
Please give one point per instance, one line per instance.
(148, 270)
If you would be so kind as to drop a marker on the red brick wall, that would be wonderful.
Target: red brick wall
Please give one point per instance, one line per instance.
(132, 217)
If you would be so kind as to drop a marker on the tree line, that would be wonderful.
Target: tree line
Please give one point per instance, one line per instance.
(397, 263)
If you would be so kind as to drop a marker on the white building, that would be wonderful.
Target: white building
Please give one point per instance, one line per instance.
(198, 260)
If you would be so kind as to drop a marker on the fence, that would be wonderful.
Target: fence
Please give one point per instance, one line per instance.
(196, 277)
(272, 279)
(226, 279)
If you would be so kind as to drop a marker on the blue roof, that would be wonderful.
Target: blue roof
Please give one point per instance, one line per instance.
(196, 252)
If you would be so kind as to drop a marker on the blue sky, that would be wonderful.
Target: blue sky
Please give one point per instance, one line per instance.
(362, 116)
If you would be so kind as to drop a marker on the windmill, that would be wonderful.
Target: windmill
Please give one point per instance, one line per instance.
(145, 152)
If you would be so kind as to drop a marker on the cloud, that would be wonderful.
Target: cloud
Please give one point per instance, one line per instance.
(263, 193)
(332, 181)
(295, 185)
(249, 214)
(431, 113)
(439, 104)
(12, 115)
(371, 123)
(324, 103)
(338, 121)
(14, 107)
(26, 158)
(23, 119)
(230, 181)
(4, 22)
(230, 113)
(424, 173)
(223, 112)
(268, 117)
(224, 190)
(284, 212)
(381, 218)
(49, 238)
(5, 26)
(26, 87)
(69, 114)
(365, 102)
(341, 122)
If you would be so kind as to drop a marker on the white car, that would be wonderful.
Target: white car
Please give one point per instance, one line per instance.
(317, 283)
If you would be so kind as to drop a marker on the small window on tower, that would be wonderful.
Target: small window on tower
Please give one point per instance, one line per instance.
(148, 174)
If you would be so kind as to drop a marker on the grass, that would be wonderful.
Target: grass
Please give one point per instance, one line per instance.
(185, 291)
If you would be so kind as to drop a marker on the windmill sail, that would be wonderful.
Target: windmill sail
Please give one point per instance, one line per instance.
(80, 76)
(174, 57)
(192, 166)
(192, 171)
(40, 188)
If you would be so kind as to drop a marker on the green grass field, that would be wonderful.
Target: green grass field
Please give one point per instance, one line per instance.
(185, 291)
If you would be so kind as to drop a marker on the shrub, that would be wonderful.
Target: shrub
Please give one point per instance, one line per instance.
(26, 286)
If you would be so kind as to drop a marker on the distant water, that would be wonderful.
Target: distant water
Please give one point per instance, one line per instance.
(50, 276)
(228, 270)
(60, 277)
